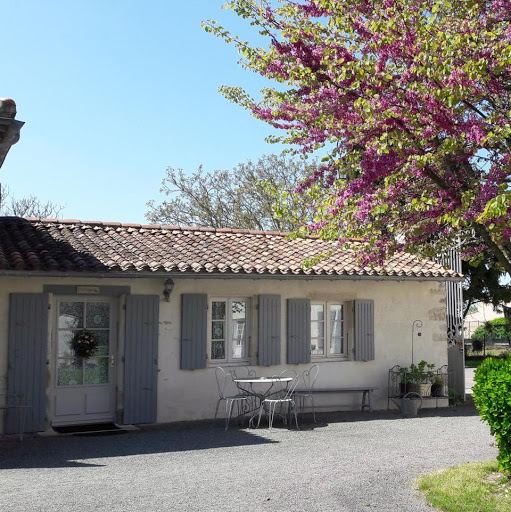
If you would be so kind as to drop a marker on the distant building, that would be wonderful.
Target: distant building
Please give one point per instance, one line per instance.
(484, 313)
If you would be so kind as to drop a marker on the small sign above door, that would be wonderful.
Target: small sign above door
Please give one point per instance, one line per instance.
(87, 289)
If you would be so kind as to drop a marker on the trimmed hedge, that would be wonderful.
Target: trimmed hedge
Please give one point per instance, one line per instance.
(492, 396)
(496, 329)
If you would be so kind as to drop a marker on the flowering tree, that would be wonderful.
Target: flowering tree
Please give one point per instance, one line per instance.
(409, 104)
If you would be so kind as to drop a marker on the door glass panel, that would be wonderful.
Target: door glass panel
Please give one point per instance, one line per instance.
(103, 339)
(64, 339)
(69, 372)
(74, 317)
(70, 315)
(96, 370)
(97, 315)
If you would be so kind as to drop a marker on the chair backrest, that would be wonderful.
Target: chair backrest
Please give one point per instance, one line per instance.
(288, 388)
(310, 376)
(223, 381)
(243, 372)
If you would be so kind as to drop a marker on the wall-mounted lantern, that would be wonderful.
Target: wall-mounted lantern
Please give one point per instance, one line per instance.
(168, 286)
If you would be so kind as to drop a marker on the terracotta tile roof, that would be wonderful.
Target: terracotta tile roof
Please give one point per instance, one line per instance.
(112, 247)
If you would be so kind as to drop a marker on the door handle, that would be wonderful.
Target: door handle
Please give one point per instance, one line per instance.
(112, 360)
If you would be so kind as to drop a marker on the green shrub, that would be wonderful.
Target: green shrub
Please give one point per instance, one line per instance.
(492, 396)
(496, 329)
(477, 344)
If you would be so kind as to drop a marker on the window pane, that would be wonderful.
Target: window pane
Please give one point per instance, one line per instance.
(239, 308)
(238, 339)
(336, 346)
(218, 310)
(317, 312)
(97, 315)
(336, 321)
(336, 312)
(69, 372)
(71, 315)
(218, 349)
(317, 330)
(217, 331)
(318, 347)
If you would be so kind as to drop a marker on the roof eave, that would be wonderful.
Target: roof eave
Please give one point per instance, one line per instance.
(207, 275)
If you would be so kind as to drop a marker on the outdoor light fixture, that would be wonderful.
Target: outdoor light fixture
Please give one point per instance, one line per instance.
(167, 290)
(418, 324)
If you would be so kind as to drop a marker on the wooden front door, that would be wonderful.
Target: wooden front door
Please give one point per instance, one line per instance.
(84, 387)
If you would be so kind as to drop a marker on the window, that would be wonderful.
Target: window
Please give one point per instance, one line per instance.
(229, 336)
(328, 329)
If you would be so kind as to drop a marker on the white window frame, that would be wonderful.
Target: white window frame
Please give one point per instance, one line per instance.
(347, 321)
(229, 330)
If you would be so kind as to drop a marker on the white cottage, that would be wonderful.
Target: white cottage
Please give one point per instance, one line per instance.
(169, 304)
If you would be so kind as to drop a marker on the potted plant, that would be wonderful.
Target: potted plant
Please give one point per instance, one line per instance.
(405, 381)
(438, 388)
(417, 378)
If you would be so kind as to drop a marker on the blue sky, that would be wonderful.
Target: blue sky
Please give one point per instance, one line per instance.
(114, 91)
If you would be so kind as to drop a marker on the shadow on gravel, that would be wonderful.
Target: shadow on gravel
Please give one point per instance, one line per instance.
(71, 451)
(465, 409)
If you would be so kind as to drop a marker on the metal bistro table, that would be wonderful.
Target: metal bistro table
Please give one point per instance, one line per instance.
(246, 385)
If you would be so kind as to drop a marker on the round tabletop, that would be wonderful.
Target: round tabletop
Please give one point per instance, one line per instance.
(263, 380)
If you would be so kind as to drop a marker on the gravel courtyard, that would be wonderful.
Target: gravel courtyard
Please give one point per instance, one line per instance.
(348, 462)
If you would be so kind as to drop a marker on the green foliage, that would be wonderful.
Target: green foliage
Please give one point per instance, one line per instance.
(483, 283)
(492, 396)
(406, 102)
(477, 344)
(498, 328)
(421, 373)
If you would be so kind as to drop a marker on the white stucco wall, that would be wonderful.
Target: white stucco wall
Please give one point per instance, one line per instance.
(191, 395)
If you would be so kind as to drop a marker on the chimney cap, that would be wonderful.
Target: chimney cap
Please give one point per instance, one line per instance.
(7, 108)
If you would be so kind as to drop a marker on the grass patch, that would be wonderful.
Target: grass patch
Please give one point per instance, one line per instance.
(478, 487)
(474, 359)
(473, 362)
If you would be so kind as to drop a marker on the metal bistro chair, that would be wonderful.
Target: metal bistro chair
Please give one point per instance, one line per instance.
(224, 381)
(283, 398)
(309, 379)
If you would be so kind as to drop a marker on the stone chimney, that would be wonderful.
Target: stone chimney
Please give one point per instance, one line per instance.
(9, 127)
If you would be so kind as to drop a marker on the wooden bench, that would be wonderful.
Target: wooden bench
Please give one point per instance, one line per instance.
(365, 390)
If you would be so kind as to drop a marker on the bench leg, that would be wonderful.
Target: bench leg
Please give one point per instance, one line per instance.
(366, 393)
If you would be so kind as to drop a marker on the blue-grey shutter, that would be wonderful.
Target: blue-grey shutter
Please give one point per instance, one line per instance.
(269, 330)
(141, 359)
(194, 323)
(364, 330)
(298, 331)
(26, 362)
